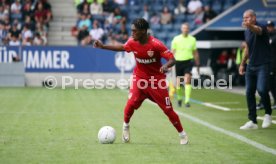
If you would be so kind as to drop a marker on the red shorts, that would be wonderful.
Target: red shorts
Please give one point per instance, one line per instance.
(156, 92)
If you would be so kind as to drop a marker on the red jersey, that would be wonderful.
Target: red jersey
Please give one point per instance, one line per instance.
(148, 57)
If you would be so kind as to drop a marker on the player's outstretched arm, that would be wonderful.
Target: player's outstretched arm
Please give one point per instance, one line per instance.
(99, 44)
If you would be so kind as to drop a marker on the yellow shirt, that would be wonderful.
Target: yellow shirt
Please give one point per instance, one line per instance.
(183, 47)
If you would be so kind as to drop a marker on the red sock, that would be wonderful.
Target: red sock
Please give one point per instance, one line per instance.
(128, 112)
(173, 117)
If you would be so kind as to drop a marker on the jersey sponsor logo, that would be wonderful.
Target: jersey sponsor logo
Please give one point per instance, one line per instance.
(150, 53)
(146, 61)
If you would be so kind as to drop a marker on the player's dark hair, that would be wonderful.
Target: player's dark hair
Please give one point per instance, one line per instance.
(140, 24)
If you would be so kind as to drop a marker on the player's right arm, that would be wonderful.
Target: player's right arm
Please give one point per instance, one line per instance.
(117, 47)
(244, 60)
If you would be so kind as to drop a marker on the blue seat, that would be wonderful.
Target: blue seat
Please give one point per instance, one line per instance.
(157, 8)
(172, 34)
(191, 17)
(167, 27)
(161, 36)
(168, 43)
(177, 27)
(155, 27)
(181, 18)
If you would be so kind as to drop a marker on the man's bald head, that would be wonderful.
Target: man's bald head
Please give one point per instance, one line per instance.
(249, 17)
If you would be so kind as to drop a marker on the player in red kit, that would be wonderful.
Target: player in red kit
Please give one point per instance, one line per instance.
(148, 75)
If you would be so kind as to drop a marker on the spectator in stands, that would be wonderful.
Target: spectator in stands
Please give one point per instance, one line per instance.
(42, 15)
(14, 31)
(166, 16)
(16, 10)
(14, 41)
(180, 8)
(122, 34)
(81, 5)
(120, 2)
(42, 32)
(17, 23)
(85, 21)
(46, 5)
(257, 70)
(79, 2)
(2, 13)
(30, 22)
(155, 19)
(3, 34)
(209, 14)
(27, 11)
(38, 40)
(96, 33)
(194, 6)
(222, 60)
(108, 27)
(6, 6)
(96, 8)
(82, 35)
(86, 11)
(6, 18)
(112, 40)
(198, 17)
(7, 25)
(108, 7)
(5, 2)
(26, 34)
(145, 13)
(118, 16)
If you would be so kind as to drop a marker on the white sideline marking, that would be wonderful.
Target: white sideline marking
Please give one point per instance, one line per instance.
(262, 118)
(229, 133)
(226, 132)
(216, 106)
(224, 103)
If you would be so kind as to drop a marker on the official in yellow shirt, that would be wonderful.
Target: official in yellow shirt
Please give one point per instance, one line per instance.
(186, 55)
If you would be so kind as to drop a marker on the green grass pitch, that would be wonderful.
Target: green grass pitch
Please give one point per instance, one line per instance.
(38, 125)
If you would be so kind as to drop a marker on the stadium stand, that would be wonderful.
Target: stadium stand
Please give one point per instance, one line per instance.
(165, 16)
(24, 22)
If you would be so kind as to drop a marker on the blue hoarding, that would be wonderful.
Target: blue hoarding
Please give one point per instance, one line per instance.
(68, 59)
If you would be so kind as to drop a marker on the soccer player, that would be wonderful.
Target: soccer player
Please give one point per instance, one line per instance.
(148, 75)
(257, 71)
(185, 53)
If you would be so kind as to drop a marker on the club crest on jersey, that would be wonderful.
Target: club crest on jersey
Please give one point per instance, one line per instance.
(150, 53)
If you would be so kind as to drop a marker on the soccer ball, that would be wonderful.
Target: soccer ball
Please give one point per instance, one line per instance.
(107, 135)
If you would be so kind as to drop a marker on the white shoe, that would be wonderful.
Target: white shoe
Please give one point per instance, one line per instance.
(249, 125)
(184, 140)
(126, 134)
(267, 121)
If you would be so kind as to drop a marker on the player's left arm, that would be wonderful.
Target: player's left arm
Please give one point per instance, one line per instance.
(166, 66)
(168, 55)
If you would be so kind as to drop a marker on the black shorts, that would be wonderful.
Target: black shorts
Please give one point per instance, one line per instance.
(183, 67)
